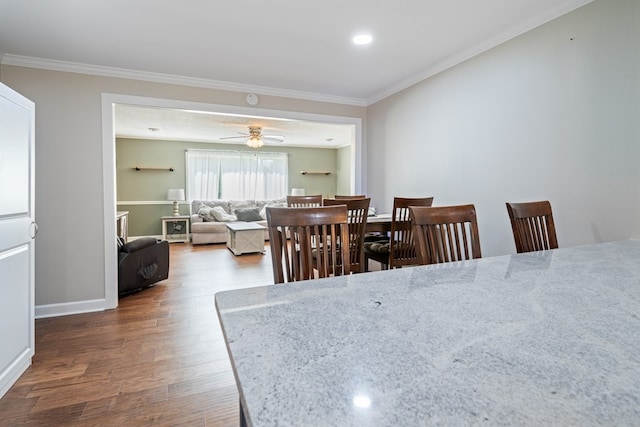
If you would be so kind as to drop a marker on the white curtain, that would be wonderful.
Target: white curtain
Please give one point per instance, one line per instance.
(236, 175)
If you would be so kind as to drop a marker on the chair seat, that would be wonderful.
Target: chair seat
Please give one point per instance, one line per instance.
(380, 247)
(376, 237)
(401, 250)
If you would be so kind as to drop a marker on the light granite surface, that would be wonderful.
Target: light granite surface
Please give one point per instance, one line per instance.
(549, 338)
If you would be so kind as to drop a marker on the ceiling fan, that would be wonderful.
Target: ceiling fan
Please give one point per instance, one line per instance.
(255, 138)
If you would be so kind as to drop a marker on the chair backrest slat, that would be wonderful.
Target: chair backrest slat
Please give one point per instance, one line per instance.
(306, 240)
(445, 233)
(342, 197)
(357, 213)
(402, 249)
(533, 226)
(304, 201)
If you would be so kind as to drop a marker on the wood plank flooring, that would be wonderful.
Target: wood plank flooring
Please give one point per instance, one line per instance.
(159, 359)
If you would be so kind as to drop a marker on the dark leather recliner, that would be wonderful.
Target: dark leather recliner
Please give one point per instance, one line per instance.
(141, 263)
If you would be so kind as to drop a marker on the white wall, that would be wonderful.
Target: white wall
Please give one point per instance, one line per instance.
(553, 114)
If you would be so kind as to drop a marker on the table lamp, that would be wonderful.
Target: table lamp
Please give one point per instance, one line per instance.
(175, 194)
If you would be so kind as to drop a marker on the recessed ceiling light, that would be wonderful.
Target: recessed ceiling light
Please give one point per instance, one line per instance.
(362, 39)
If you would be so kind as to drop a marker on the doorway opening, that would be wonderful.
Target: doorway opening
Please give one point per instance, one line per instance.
(109, 103)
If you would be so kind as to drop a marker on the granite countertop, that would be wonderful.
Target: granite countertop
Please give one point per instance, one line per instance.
(529, 339)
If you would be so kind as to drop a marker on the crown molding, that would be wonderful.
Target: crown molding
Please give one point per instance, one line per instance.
(561, 9)
(74, 67)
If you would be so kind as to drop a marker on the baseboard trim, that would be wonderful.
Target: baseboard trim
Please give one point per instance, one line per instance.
(132, 238)
(14, 371)
(66, 309)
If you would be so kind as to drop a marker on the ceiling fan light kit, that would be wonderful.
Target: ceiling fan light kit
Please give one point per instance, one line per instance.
(255, 138)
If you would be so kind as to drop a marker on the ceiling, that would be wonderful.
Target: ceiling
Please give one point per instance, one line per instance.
(183, 125)
(294, 48)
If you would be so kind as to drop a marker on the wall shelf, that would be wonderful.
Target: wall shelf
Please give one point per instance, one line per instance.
(315, 172)
(147, 168)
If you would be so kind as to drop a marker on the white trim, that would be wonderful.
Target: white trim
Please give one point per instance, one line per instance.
(67, 308)
(132, 238)
(15, 370)
(75, 67)
(148, 202)
(108, 169)
(109, 194)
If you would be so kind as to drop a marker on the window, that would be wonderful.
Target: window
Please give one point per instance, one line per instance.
(236, 175)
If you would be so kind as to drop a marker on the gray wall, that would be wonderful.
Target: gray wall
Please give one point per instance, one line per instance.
(343, 185)
(553, 114)
(150, 186)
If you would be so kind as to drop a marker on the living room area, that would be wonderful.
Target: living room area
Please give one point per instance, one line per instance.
(182, 175)
(154, 159)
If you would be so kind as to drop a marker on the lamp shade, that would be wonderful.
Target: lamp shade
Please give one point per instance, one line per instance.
(297, 191)
(175, 194)
(255, 141)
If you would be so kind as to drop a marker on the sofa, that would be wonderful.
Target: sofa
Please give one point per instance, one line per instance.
(209, 218)
(141, 263)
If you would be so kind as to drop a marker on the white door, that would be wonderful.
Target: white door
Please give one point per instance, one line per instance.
(17, 231)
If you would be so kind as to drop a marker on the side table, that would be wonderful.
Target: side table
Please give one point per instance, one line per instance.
(245, 237)
(175, 229)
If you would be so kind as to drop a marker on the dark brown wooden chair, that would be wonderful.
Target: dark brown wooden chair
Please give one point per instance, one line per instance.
(533, 226)
(399, 250)
(304, 201)
(446, 233)
(314, 248)
(357, 213)
(357, 196)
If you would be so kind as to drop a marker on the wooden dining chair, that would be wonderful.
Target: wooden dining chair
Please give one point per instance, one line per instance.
(446, 233)
(357, 213)
(399, 249)
(357, 196)
(533, 226)
(304, 201)
(307, 242)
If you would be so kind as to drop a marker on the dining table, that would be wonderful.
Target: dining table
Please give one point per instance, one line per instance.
(540, 338)
(380, 223)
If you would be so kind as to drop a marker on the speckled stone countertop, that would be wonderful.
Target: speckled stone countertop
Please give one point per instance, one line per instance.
(550, 338)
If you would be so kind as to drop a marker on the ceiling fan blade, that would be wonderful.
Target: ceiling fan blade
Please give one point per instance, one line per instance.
(276, 139)
(255, 132)
(241, 136)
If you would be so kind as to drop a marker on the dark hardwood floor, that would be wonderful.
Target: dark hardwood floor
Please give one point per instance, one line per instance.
(158, 359)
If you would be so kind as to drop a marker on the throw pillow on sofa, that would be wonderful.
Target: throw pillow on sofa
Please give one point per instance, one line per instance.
(205, 213)
(221, 215)
(216, 213)
(263, 211)
(248, 214)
